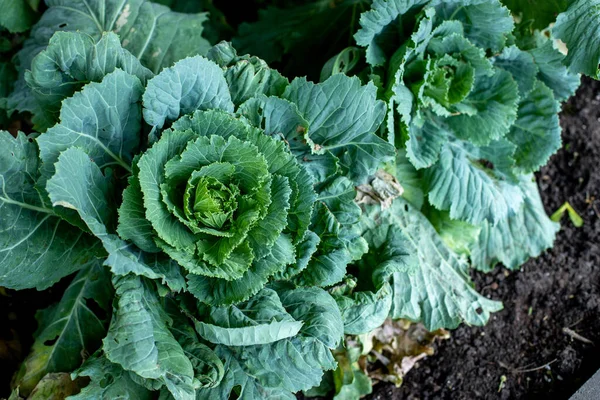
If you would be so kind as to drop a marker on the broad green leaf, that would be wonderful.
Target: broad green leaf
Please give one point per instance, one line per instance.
(432, 284)
(342, 118)
(515, 239)
(426, 137)
(208, 368)
(339, 197)
(71, 60)
(536, 132)
(294, 364)
(133, 224)
(289, 365)
(140, 341)
(494, 102)
(259, 321)
(37, 248)
(108, 381)
(305, 251)
(362, 312)
(124, 258)
(486, 22)
(79, 185)
(151, 32)
(319, 312)
(373, 24)
(521, 66)
(553, 72)
(70, 329)
(281, 119)
(579, 28)
(103, 118)
(333, 219)
(192, 84)
(17, 15)
(237, 381)
(474, 184)
(409, 179)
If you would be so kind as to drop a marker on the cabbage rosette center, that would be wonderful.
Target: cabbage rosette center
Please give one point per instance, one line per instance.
(217, 194)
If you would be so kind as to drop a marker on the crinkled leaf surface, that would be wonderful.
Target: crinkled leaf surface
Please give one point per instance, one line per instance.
(515, 239)
(474, 184)
(140, 341)
(362, 312)
(192, 84)
(151, 32)
(275, 370)
(342, 117)
(430, 283)
(33, 239)
(71, 60)
(261, 320)
(536, 132)
(553, 72)
(579, 28)
(108, 381)
(80, 185)
(103, 118)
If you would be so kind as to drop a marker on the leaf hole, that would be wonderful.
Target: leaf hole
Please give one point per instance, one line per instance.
(62, 25)
(30, 140)
(479, 310)
(406, 207)
(96, 309)
(51, 342)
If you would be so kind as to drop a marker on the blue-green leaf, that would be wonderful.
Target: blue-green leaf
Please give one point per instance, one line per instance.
(579, 28)
(192, 84)
(37, 248)
(515, 239)
(70, 329)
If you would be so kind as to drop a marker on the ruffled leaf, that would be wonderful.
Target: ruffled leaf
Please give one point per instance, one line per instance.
(430, 283)
(579, 29)
(192, 84)
(71, 60)
(515, 239)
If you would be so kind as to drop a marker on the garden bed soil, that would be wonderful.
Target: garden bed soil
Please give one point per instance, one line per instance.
(539, 342)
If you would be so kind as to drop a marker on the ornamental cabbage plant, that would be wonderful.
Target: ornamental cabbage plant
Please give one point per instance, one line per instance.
(226, 233)
(220, 199)
(473, 99)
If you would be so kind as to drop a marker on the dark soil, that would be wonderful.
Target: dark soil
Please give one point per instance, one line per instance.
(526, 342)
